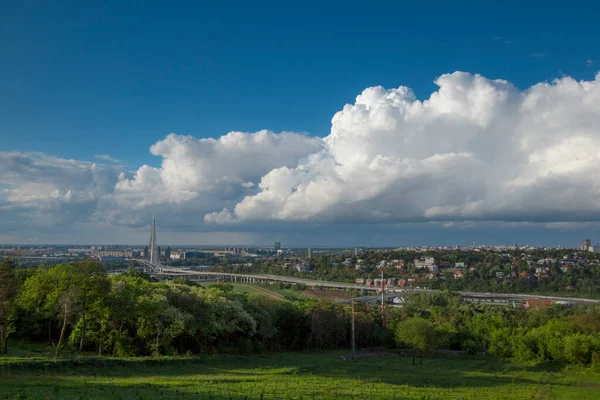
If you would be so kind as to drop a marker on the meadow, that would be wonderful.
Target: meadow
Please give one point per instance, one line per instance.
(289, 376)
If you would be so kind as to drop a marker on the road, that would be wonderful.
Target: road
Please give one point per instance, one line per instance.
(257, 278)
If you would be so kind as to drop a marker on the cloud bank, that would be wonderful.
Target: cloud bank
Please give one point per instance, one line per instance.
(476, 150)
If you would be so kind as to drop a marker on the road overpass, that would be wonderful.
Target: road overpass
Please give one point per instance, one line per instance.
(475, 297)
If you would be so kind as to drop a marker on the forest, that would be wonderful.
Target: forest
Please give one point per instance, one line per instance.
(82, 309)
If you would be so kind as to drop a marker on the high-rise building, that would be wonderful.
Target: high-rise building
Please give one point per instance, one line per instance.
(277, 246)
(586, 244)
(168, 253)
(309, 253)
(146, 252)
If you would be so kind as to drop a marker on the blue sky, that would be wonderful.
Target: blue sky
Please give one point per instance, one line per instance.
(113, 78)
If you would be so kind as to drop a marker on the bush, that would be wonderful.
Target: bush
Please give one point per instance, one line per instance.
(473, 347)
(578, 349)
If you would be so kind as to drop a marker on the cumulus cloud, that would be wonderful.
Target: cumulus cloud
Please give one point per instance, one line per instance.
(477, 149)
(201, 175)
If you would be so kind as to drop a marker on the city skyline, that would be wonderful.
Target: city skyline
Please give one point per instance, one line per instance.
(240, 126)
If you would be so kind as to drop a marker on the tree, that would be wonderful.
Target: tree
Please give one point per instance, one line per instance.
(578, 348)
(93, 289)
(160, 322)
(54, 292)
(8, 292)
(417, 334)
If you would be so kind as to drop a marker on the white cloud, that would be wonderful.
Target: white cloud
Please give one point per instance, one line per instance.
(49, 191)
(106, 157)
(589, 62)
(477, 149)
(198, 175)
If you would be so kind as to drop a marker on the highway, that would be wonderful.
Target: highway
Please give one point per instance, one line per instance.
(500, 298)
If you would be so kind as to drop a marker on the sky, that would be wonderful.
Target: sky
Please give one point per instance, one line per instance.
(331, 123)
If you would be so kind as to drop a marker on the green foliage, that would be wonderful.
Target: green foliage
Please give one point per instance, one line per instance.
(129, 315)
(8, 292)
(416, 333)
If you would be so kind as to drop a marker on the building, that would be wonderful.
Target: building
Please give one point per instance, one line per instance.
(309, 253)
(537, 303)
(586, 244)
(192, 254)
(117, 253)
(594, 249)
(426, 263)
(277, 246)
(146, 252)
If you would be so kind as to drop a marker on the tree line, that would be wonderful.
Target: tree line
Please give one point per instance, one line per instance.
(82, 309)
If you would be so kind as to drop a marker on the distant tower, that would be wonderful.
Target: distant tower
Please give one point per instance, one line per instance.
(168, 253)
(356, 252)
(153, 248)
(277, 246)
(586, 244)
(309, 253)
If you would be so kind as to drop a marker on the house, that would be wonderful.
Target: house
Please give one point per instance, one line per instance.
(303, 267)
(537, 303)
(360, 281)
(426, 263)
(564, 268)
(542, 270)
(459, 265)
(457, 274)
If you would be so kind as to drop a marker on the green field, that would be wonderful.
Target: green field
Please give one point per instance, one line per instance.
(288, 376)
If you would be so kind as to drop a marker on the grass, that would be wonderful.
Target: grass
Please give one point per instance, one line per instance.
(252, 290)
(288, 376)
